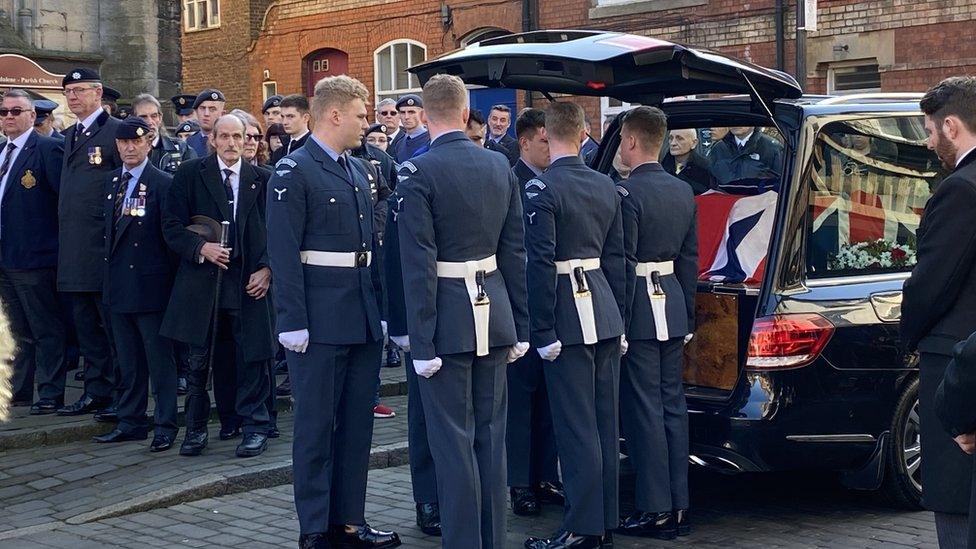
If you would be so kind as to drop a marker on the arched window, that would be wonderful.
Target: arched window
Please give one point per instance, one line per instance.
(390, 62)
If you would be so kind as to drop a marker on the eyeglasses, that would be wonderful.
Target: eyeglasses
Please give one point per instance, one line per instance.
(253, 137)
(68, 92)
(388, 113)
(16, 111)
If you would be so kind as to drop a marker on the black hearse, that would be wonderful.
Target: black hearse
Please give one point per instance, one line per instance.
(796, 362)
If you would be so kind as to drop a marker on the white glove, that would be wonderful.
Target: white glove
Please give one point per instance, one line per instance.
(688, 338)
(294, 341)
(517, 351)
(383, 325)
(551, 351)
(427, 368)
(624, 344)
(402, 342)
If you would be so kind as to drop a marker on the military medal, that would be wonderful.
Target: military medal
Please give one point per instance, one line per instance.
(140, 209)
(28, 180)
(95, 156)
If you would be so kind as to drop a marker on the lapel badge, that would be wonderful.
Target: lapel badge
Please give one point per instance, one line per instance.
(142, 187)
(95, 156)
(253, 186)
(28, 180)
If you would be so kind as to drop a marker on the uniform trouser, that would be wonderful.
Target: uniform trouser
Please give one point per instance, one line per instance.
(422, 475)
(251, 381)
(225, 379)
(947, 471)
(332, 386)
(144, 357)
(464, 405)
(272, 399)
(30, 300)
(655, 422)
(530, 442)
(92, 325)
(583, 394)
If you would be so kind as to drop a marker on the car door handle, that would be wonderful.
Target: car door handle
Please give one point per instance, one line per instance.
(887, 305)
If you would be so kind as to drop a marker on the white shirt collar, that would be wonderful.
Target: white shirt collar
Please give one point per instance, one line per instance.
(959, 158)
(742, 142)
(20, 141)
(299, 137)
(90, 120)
(236, 168)
(137, 171)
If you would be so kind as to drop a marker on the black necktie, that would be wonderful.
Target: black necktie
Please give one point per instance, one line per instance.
(79, 129)
(229, 191)
(343, 163)
(6, 160)
(120, 192)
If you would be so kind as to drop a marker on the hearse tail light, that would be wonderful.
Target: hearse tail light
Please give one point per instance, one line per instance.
(596, 85)
(787, 341)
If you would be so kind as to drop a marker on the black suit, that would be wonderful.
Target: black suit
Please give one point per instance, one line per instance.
(198, 189)
(28, 257)
(169, 153)
(694, 172)
(139, 271)
(89, 158)
(954, 402)
(939, 310)
(507, 145)
(289, 147)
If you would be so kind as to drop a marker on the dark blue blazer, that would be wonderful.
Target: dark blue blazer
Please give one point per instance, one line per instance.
(29, 207)
(198, 142)
(314, 205)
(408, 147)
(139, 266)
(507, 145)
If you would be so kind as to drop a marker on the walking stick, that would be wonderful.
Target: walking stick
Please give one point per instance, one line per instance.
(224, 237)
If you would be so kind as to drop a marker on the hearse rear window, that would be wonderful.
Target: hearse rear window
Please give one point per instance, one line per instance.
(869, 181)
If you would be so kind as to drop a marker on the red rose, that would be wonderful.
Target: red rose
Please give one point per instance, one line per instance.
(898, 254)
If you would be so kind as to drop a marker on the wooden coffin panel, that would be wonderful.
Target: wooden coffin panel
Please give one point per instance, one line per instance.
(711, 357)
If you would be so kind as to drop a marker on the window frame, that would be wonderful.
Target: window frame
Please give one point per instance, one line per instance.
(394, 92)
(264, 89)
(845, 65)
(211, 7)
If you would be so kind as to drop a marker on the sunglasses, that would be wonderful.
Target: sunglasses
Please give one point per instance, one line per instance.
(253, 137)
(16, 111)
(388, 113)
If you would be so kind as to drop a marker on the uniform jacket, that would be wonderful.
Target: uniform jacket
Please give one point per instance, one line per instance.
(395, 142)
(198, 142)
(282, 152)
(523, 173)
(396, 309)
(447, 215)
(507, 145)
(573, 212)
(313, 205)
(80, 210)
(139, 266)
(197, 190)
(939, 299)
(588, 150)
(695, 172)
(169, 153)
(659, 225)
(408, 147)
(29, 206)
(760, 159)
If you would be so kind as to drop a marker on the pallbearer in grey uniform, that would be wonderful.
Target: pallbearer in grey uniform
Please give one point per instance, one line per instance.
(463, 255)
(576, 279)
(661, 243)
(320, 242)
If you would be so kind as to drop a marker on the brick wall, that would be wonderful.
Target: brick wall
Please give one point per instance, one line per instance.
(219, 57)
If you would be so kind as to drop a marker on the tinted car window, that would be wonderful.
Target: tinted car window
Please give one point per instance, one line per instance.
(869, 182)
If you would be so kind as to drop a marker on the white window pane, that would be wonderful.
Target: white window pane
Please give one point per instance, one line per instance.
(202, 15)
(384, 65)
(215, 11)
(417, 54)
(400, 66)
(191, 15)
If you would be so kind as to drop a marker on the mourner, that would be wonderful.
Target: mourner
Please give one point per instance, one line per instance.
(533, 476)
(377, 137)
(110, 100)
(90, 156)
(222, 187)
(183, 107)
(30, 176)
(271, 110)
(44, 123)
(682, 160)
(166, 153)
(416, 137)
(589, 146)
(332, 332)
(661, 246)
(475, 128)
(499, 120)
(745, 159)
(939, 304)
(186, 129)
(576, 278)
(208, 106)
(463, 329)
(295, 118)
(387, 114)
(139, 271)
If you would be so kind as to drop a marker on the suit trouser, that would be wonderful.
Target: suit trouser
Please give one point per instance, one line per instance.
(333, 387)
(92, 324)
(251, 381)
(464, 405)
(530, 442)
(422, 475)
(225, 379)
(655, 422)
(583, 393)
(30, 300)
(144, 357)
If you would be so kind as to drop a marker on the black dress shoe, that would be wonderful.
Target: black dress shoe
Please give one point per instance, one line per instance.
(254, 444)
(392, 357)
(161, 443)
(117, 435)
(550, 492)
(45, 406)
(362, 537)
(108, 415)
(524, 502)
(607, 540)
(181, 387)
(284, 389)
(85, 405)
(565, 540)
(650, 525)
(684, 523)
(429, 518)
(194, 443)
(313, 541)
(273, 432)
(229, 433)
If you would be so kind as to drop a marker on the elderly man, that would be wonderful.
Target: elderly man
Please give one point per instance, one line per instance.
(386, 114)
(499, 120)
(682, 160)
(224, 188)
(209, 106)
(165, 153)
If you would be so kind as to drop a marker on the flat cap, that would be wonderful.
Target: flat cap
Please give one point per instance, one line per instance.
(43, 108)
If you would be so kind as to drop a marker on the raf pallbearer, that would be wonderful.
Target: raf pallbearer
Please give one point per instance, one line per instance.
(327, 296)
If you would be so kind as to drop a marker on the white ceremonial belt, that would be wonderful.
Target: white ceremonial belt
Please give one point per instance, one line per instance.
(659, 310)
(582, 298)
(473, 273)
(336, 259)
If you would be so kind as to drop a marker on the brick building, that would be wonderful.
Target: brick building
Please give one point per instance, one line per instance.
(260, 47)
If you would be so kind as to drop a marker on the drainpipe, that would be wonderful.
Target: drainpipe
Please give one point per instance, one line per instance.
(530, 22)
(25, 20)
(780, 38)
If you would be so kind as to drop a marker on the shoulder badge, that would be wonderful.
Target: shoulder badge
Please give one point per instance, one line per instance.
(409, 167)
(281, 194)
(623, 190)
(535, 183)
(287, 162)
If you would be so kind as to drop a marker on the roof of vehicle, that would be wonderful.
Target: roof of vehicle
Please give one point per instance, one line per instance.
(812, 104)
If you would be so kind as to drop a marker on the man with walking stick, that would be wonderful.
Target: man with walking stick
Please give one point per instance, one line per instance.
(221, 292)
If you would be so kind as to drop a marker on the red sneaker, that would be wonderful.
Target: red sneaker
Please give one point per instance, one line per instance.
(382, 412)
